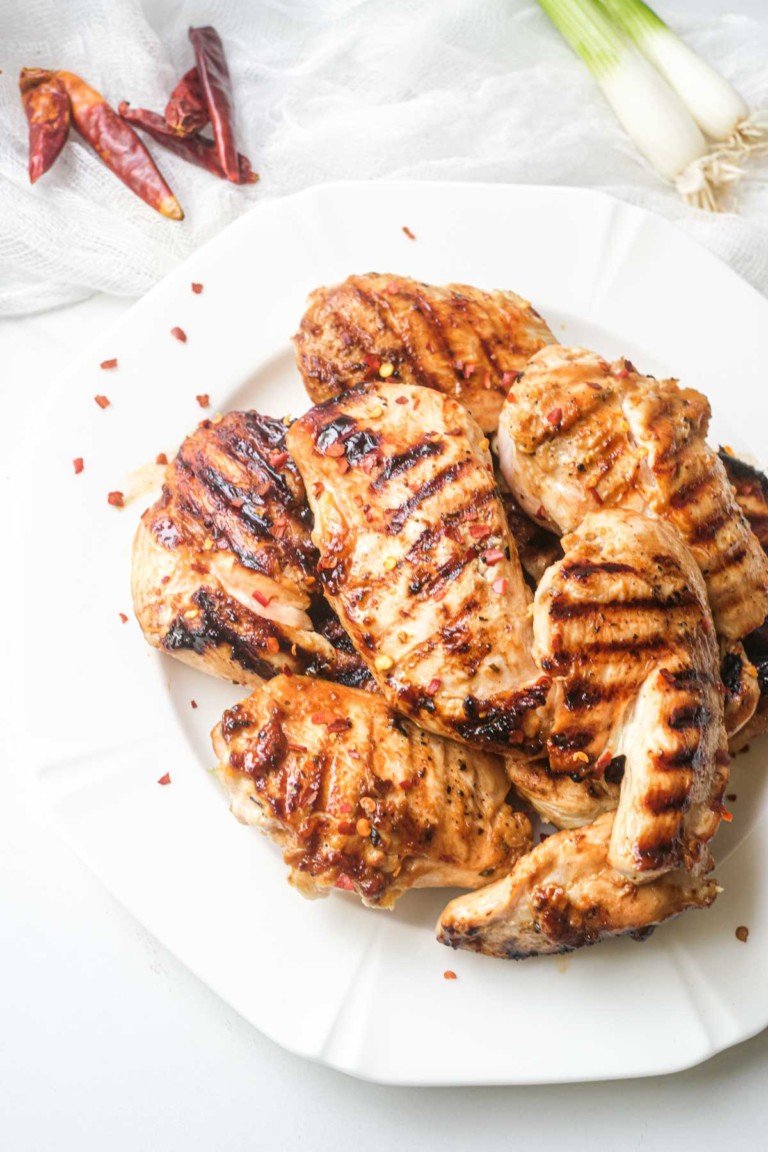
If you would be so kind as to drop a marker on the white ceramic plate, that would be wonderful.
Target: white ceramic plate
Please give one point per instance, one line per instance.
(360, 990)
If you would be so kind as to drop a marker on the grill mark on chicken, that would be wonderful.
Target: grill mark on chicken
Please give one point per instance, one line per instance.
(428, 489)
(360, 798)
(223, 563)
(382, 313)
(562, 608)
(399, 464)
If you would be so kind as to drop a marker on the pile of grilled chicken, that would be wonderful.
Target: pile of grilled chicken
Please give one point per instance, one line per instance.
(445, 643)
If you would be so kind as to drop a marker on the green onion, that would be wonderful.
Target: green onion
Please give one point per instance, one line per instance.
(654, 116)
(713, 102)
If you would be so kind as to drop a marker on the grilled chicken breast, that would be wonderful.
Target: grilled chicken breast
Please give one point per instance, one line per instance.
(360, 798)
(577, 434)
(565, 895)
(536, 547)
(223, 564)
(417, 559)
(751, 488)
(465, 343)
(623, 625)
(567, 801)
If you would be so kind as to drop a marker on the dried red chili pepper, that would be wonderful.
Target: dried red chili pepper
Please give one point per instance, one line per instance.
(217, 86)
(186, 113)
(46, 105)
(197, 150)
(118, 146)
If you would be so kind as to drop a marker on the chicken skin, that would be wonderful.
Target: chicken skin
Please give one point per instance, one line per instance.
(577, 434)
(465, 343)
(223, 564)
(623, 625)
(418, 562)
(362, 799)
(565, 895)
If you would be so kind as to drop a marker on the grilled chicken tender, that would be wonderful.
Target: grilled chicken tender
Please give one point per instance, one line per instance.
(465, 343)
(360, 798)
(577, 434)
(223, 565)
(565, 895)
(417, 559)
(623, 625)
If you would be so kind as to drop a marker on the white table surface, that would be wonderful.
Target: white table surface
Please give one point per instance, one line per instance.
(107, 1042)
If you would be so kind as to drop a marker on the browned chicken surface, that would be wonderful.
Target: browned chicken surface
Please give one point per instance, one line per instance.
(536, 547)
(623, 626)
(565, 895)
(417, 560)
(751, 488)
(567, 801)
(464, 342)
(223, 564)
(360, 798)
(578, 433)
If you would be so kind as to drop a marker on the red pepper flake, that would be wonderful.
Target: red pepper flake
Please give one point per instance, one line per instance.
(342, 724)
(603, 760)
(161, 458)
(479, 531)
(335, 449)
(392, 288)
(731, 796)
(742, 933)
(449, 974)
(78, 465)
(407, 784)
(345, 883)
(203, 400)
(193, 703)
(196, 288)
(401, 400)
(724, 814)
(346, 827)
(123, 617)
(509, 378)
(102, 401)
(493, 556)
(409, 234)
(323, 718)
(500, 586)
(343, 465)
(297, 748)
(468, 371)
(261, 598)
(434, 686)
(279, 459)
(115, 499)
(594, 492)
(107, 364)
(179, 334)
(555, 416)
(165, 779)
(272, 645)
(372, 362)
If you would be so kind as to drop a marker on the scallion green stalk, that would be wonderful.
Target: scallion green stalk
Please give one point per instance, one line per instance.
(653, 115)
(712, 100)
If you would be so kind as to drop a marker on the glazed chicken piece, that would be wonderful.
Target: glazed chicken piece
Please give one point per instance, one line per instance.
(466, 343)
(577, 434)
(536, 547)
(565, 895)
(567, 801)
(362, 799)
(418, 562)
(223, 565)
(623, 626)
(751, 488)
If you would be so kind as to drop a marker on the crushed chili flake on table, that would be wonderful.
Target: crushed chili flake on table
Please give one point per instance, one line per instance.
(78, 465)
(409, 234)
(161, 458)
(193, 703)
(449, 974)
(115, 499)
(196, 288)
(204, 400)
(107, 364)
(123, 617)
(102, 401)
(179, 334)
(742, 933)
(165, 779)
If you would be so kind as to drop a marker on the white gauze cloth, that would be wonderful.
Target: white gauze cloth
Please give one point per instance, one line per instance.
(364, 89)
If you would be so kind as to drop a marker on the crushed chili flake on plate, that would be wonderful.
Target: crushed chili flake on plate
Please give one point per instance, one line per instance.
(196, 288)
(115, 499)
(165, 779)
(179, 334)
(102, 401)
(193, 703)
(742, 933)
(161, 458)
(123, 617)
(409, 234)
(78, 465)
(449, 974)
(107, 364)
(203, 400)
